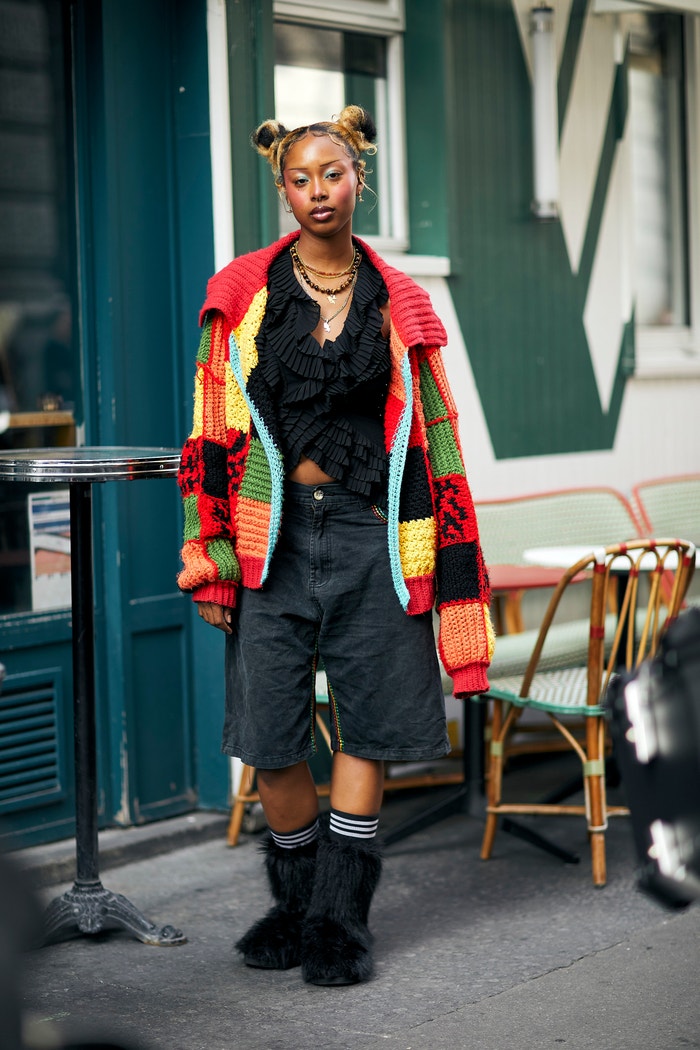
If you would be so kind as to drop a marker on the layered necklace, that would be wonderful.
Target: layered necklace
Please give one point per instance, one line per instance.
(350, 272)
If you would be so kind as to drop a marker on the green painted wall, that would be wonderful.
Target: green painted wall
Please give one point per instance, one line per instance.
(427, 141)
(519, 305)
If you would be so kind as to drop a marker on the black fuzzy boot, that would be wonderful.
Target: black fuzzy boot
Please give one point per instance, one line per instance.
(274, 942)
(336, 944)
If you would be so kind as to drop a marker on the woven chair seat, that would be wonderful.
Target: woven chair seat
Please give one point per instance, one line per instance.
(560, 692)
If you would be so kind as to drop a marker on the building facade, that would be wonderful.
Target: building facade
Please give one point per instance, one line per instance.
(127, 178)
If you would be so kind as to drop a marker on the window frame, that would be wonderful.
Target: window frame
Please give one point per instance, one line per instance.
(674, 350)
(379, 18)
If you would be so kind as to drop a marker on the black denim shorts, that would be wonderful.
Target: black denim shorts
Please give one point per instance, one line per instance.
(329, 598)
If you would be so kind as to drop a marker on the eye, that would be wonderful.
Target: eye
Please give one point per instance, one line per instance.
(300, 180)
(333, 174)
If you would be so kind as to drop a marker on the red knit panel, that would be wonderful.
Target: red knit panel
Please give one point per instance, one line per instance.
(392, 416)
(223, 592)
(422, 594)
(468, 681)
(411, 309)
(214, 517)
(455, 510)
(251, 571)
(232, 289)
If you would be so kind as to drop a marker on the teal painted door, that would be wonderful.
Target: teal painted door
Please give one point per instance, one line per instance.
(151, 213)
(143, 255)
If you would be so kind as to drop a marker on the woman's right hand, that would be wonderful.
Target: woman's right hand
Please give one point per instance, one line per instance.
(217, 615)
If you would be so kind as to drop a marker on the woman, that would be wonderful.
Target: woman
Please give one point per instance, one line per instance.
(325, 505)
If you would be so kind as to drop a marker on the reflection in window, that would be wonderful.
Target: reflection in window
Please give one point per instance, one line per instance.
(39, 371)
(317, 72)
(657, 125)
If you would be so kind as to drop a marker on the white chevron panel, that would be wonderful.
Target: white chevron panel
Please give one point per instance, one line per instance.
(609, 301)
(584, 128)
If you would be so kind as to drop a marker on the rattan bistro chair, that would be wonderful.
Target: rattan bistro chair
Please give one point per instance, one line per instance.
(576, 691)
(670, 506)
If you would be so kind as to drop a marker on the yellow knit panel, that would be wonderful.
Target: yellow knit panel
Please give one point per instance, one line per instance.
(417, 546)
(237, 414)
(198, 419)
(490, 632)
(248, 329)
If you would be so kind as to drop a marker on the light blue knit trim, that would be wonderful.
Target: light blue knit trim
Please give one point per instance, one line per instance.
(273, 454)
(397, 462)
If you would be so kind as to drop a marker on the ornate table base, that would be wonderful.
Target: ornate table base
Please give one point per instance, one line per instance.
(92, 908)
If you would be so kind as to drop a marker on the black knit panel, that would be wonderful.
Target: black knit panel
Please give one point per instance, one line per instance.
(458, 573)
(215, 480)
(416, 502)
(262, 397)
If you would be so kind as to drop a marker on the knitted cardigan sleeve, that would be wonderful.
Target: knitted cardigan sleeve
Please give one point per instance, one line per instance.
(211, 570)
(466, 639)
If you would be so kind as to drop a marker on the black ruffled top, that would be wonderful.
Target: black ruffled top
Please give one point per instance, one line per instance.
(329, 399)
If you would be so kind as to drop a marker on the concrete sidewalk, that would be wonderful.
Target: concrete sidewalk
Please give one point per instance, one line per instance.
(520, 951)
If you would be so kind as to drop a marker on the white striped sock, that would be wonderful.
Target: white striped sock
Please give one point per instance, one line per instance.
(353, 826)
(292, 839)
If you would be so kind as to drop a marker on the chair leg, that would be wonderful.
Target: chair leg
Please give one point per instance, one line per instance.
(494, 779)
(245, 790)
(594, 780)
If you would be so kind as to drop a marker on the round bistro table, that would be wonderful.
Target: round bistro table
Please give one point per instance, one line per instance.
(88, 905)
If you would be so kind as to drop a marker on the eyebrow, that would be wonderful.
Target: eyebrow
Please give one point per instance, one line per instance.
(323, 164)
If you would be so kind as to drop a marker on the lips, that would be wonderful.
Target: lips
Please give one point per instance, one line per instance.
(322, 213)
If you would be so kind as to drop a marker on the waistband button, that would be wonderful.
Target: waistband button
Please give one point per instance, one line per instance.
(318, 494)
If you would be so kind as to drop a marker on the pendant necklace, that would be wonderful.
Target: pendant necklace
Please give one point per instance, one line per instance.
(327, 320)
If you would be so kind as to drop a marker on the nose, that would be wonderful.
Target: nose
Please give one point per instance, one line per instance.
(318, 190)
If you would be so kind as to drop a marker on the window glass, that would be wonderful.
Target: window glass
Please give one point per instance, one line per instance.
(657, 126)
(39, 371)
(317, 72)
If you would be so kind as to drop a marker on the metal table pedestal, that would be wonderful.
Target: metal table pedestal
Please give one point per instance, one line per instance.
(88, 905)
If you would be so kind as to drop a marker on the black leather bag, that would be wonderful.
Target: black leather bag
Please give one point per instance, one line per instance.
(655, 717)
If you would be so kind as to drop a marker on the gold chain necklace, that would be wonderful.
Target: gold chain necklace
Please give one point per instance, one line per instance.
(330, 292)
(328, 273)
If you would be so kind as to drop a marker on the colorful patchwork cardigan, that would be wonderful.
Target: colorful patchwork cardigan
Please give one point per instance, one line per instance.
(232, 474)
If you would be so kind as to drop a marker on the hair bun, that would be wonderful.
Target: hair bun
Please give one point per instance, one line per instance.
(358, 121)
(267, 137)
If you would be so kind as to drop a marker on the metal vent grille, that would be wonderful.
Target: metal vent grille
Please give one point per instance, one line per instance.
(30, 752)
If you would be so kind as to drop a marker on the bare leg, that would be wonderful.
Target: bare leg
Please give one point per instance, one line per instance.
(288, 797)
(357, 784)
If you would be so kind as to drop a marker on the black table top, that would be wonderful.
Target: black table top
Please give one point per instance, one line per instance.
(88, 464)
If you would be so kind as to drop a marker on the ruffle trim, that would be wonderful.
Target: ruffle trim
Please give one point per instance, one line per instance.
(310, 382)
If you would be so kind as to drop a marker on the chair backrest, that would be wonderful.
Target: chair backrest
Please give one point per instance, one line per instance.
(597, 516)
(670, 506)
(642, 613)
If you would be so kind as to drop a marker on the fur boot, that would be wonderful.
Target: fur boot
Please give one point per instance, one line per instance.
(274, 942)
(336, 944)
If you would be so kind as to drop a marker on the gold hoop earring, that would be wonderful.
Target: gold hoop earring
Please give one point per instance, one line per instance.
(285, 203)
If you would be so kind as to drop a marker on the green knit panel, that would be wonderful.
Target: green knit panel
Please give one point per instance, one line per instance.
(221, 553)
(192, 522)
(444, 454)
(433, 404)
(257, 483)
(204, 344)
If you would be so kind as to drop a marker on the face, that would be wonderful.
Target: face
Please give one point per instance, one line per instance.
(321, 185)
